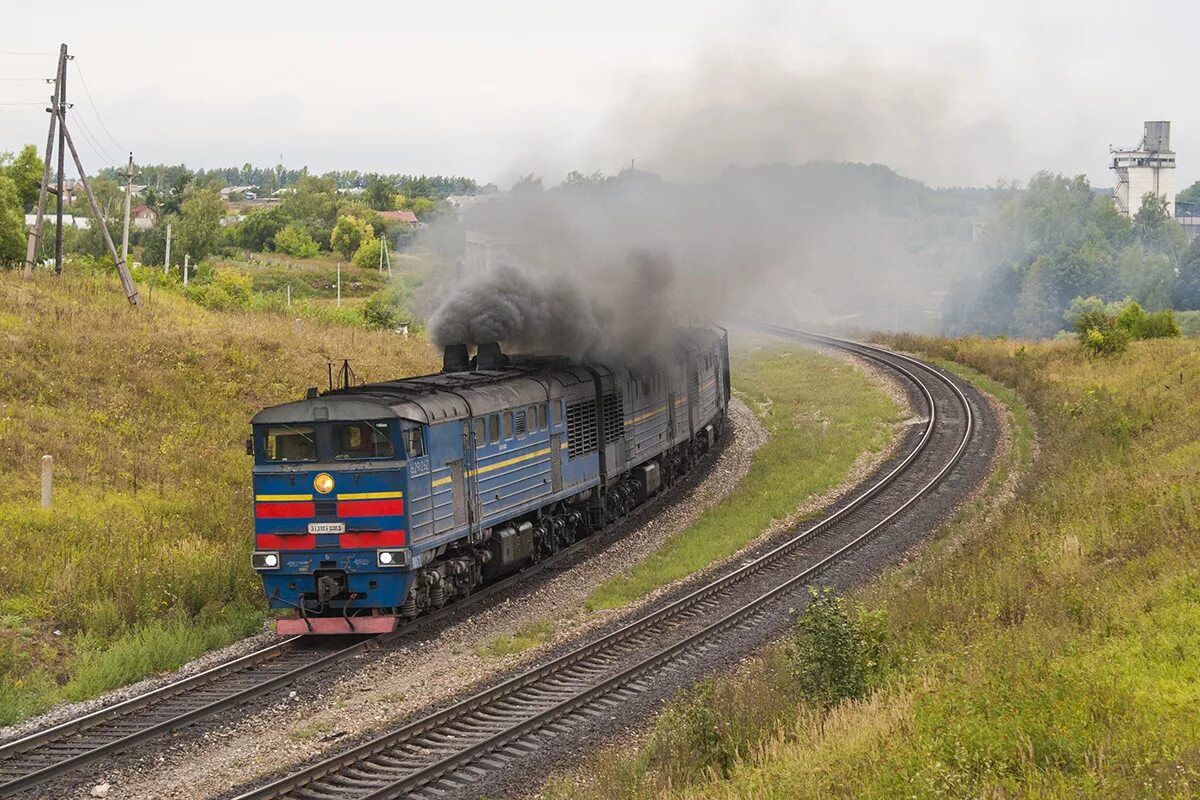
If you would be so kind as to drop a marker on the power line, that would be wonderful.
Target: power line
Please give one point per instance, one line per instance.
(92, 140)
(23, 53)
(99, 118)
(38, 80)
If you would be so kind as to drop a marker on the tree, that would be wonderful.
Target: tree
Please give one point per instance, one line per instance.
(295, 241)
(199, 231)
(1147, 277)
(349, 233)
(1186, 295)
(154, 243)
(257, 231)
(26, 172)
(12, 223)
(379, 192)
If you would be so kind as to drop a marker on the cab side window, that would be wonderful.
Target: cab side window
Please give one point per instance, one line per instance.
(414, 443)
(480, 433)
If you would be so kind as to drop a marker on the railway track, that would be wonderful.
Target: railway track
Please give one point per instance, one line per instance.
(449, 751)
(57, 751)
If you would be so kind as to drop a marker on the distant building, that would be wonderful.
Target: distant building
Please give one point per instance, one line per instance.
(143, 217)
(486, 250)
(402, 216)
(1150, 167)
(69, 221)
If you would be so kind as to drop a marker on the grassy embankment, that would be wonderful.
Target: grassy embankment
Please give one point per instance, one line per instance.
(1047, 649)
(142, 562)
(821, 414)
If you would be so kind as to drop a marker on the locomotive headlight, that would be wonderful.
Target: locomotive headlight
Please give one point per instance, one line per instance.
(391, 558)
(323, 483)
(264, 560)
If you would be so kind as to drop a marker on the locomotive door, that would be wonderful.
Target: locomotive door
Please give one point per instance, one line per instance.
(458, 490)
(466, 498)
(556, 462)
(693, 398)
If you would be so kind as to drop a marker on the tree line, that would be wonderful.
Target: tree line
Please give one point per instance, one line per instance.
(1055, 240)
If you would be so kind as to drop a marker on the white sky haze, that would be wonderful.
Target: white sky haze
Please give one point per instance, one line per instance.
(951, 93)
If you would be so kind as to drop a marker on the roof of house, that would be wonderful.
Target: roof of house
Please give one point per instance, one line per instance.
(406, 216)
(142, 209)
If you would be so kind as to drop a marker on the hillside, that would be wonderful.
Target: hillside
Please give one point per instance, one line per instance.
(1045, 645)
(142, 562)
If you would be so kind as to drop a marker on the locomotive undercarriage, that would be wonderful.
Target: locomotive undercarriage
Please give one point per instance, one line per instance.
(503, 550)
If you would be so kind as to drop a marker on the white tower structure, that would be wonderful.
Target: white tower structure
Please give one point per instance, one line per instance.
(1148, 168)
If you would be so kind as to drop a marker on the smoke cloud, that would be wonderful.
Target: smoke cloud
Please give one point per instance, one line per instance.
(759, 192)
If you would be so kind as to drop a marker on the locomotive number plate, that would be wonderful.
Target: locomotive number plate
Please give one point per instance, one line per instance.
(326, 527)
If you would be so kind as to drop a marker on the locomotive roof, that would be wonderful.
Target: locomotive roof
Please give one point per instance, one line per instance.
(442, 396)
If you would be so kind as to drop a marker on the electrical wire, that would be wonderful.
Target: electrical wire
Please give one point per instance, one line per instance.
(23, 53)
(91, 141)
(99, 118)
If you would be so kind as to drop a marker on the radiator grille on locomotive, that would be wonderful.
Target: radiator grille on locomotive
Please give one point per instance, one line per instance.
(614, 417)
(581, 428)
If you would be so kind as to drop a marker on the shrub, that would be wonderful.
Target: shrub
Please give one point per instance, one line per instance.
(295, 241)
(367, 255)
(386, 309)
(226, 291)
(836, 652)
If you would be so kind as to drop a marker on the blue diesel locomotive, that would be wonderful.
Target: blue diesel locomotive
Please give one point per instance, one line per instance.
(375, 503)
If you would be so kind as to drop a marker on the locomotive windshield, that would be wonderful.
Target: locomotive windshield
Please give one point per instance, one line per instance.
(354, 440)
(290, 443)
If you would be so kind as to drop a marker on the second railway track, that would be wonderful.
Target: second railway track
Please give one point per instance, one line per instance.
(450, 751)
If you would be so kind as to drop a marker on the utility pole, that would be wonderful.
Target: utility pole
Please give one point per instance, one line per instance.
(126, 279)
(167, 256)
(60, 112)
(186, 258)
(339, 284)
(35, 236)
(128, 193)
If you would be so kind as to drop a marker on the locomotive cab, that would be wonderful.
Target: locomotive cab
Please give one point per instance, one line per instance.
(331, 528)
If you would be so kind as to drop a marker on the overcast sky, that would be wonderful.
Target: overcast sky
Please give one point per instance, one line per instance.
(947, 92)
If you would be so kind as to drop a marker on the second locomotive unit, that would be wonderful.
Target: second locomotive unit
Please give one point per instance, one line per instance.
(375, 503)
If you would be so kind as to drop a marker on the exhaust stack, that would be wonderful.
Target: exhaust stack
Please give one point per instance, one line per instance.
(455, 358)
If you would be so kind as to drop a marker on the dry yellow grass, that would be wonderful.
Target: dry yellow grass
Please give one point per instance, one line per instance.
(143, 559)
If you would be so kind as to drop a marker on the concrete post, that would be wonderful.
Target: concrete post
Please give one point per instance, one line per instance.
(47, 480)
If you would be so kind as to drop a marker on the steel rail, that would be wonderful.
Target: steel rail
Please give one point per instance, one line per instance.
(53, 746)
(377, 769)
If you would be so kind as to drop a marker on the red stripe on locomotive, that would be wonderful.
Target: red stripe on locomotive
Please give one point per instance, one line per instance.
(287, 541)
(373, 539)
(370, 508)
(285, 510)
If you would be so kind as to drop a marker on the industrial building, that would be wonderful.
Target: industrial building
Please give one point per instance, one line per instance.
(1150, 167)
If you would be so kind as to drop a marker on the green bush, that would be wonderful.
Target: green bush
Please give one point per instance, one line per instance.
(295, 241)
(367, 255)
(387, 308)
(836, 652)
(225, 291)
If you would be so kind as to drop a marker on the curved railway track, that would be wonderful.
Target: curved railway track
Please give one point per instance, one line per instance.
(449, 751)
(57, 751)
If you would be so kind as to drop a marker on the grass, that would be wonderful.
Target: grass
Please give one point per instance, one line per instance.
(531, 634)
(1048, 648)
(821, 415)
(142, 562)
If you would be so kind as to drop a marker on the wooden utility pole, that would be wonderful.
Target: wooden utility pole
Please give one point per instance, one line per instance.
(60, 112)
(126, 279)
(35, 236)
(128, 193)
